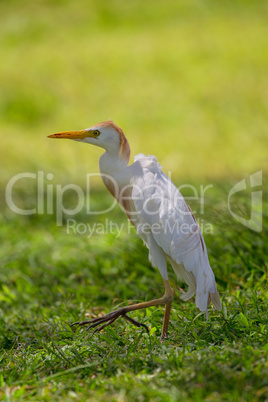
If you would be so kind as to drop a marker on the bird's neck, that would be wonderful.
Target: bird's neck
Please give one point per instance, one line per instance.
(116, 176)
(112, 167)
(112, 164)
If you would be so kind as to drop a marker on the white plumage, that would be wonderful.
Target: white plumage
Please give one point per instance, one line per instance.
(170, 231)
(161, 216)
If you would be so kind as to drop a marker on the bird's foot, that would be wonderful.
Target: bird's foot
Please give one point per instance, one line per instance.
(108, 319)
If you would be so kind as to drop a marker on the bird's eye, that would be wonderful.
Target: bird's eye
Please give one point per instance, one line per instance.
(96, 133)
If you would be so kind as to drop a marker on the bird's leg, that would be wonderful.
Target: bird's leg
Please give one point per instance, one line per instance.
(111, 317)
(166, 320)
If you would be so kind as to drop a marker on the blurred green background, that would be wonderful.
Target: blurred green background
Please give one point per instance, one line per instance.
(186, 80)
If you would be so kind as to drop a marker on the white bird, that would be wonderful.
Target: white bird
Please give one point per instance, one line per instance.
(161, 217)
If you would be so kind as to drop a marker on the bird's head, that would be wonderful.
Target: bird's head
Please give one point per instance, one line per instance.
(106, 135)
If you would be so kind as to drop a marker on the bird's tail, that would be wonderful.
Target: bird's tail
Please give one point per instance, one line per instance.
(205, 290)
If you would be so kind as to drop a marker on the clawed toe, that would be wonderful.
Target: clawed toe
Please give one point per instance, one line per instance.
(137, 323)
(107, 320)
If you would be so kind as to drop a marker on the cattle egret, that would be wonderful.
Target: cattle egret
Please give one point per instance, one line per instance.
(161, 217)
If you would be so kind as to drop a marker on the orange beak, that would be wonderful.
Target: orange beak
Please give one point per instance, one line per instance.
(72, 135)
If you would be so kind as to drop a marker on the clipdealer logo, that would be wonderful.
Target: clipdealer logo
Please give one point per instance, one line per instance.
(255, 220)
(50, 197)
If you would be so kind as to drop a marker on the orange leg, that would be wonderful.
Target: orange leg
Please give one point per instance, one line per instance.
(166, 320)
(111, 317)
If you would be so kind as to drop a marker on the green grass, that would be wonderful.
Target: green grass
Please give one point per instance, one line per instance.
(187, 81)
(50, 279)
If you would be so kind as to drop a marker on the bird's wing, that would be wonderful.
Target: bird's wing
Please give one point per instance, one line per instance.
(164, 218)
